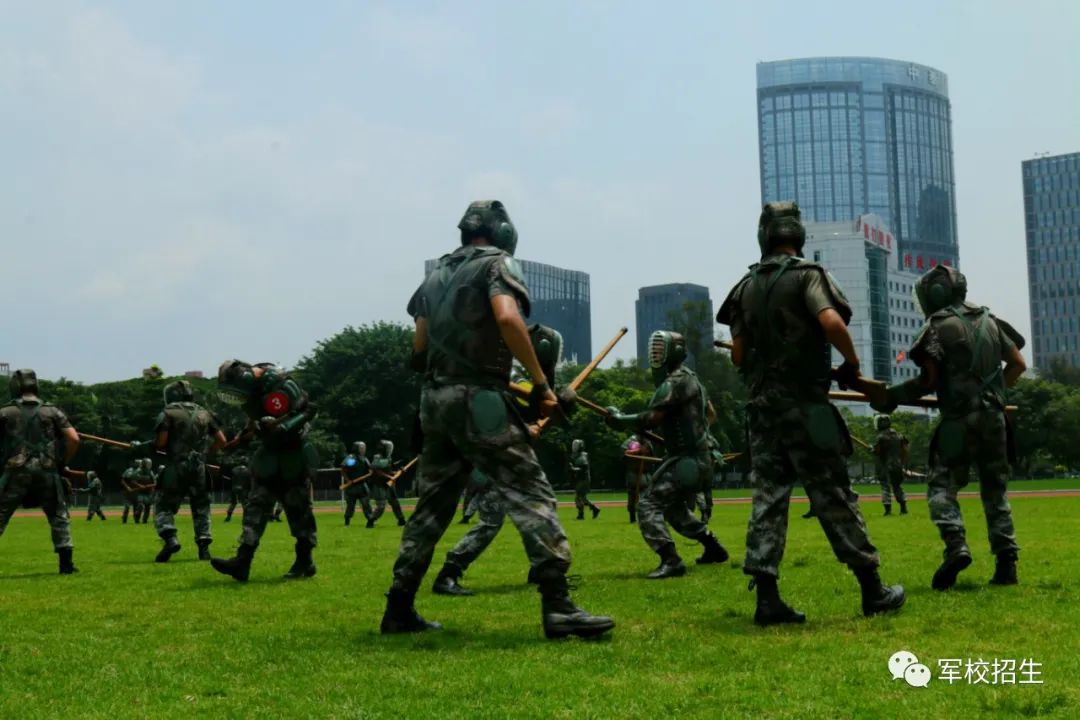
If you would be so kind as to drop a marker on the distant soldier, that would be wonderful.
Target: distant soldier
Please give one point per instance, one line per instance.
(127, 483)
(38, 443)
(784, 315)
(239, 484)
(382, 486)
(636, 471)
(890, 452)
(680, 407)
(961, 351)
(145, 484)
(354, 469)
(474, 542)
(579, 474)
(284, 465)
(185, 431)
(469, 329)
(94, 492)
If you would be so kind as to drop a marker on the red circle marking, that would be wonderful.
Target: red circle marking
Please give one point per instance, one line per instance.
(276, 404)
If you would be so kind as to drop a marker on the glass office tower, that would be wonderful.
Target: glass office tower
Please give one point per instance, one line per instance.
(848, 136)
(658, 305)
(1052, 227)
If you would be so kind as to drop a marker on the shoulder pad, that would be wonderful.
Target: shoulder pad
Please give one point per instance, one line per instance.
(1010, 331)
(842, 305)
(510, 272)
(725, 315)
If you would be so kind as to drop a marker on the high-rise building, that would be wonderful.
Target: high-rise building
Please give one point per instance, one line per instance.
(885, 319)
(560, 299)
(658, 306)
(1052, 228)
(844, 137)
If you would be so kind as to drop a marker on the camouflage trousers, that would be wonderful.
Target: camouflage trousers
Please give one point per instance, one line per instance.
(354, 496)
(703, 503)
(466, 426)
(381, 495)
(172, 488)
(281, 477)
(666, 501)
(784, 451)
(476, 541)
(236, 497)
(891, 479)
(36, 487)
(582, 485)
(635, 479)
(93, 507)
(978, 439)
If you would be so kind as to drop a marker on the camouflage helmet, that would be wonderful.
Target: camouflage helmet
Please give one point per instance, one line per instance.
(666, 350)
(23, 382)
(360, 447)
(387, 448)
(780, 223)
(577, 445)
(147, 464)
(941, 287)
(882, 422)
(548, 344)
(178, 391)
(489, 219)
(236, 381)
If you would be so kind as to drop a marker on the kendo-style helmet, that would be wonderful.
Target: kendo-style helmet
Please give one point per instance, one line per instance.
(883, 422)
(941, 287)
(22, 382)
(387, 448)
(489, 219)
(780, 223)
(360, 447)
(236, 381)
(178, 391)
(666, 350)
(577, 445)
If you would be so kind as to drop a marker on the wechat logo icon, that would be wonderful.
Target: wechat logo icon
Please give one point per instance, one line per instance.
(903, 665)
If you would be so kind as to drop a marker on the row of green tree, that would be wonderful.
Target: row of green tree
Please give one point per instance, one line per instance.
(360, 380)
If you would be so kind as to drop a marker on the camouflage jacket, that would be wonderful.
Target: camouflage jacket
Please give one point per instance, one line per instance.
(32, 435)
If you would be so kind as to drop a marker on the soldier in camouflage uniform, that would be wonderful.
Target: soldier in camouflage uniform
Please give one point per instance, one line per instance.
(474, 542)
(784, 315)
(636, 475)
(579, 474)
(128, 483)
(145, 484)
(283, 467)
(239, 484)
(961, 351)
(890, 452)
(381, 485)
(183, 432)
(469, 328)
(354, 467)
(37, 444)
(94, 492)
(682, 409)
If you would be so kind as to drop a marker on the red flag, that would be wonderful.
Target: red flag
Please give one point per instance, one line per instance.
(901, 356)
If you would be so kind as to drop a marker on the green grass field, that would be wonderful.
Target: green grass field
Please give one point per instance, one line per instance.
(129, 638)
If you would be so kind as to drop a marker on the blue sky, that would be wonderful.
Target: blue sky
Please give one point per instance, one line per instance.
(190, 181)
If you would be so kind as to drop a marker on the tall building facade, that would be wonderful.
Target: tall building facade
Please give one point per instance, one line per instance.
(885, 319)
(658, 305)
(844, 137)
(560, 299)
(1052, 229)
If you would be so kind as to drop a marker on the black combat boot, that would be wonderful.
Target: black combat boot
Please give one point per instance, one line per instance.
(534, 577)
(401, 521)
(401, 615)
(464, 520)
(580, 514)
(633, 518)
(714, 551)
(204, 549)
(446, 583)
(67, 565)
(563, 618)
(228, 517)
(888, 508)
(671, 565)
(595, 512)
(957, 559)
(239, 567)
(370, 523)
(348, 519)
(172, 546)
(876, 597)
(1005, 570)
(809, 514)
(303, 566)
(771, 610)
(903, 507)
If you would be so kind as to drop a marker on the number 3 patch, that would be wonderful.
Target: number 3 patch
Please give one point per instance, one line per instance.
(276, 404)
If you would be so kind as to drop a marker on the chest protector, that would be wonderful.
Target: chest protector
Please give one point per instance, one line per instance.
(684, 426)
(891, 446)
(188, 428)
(30, 440)
(465, 340)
